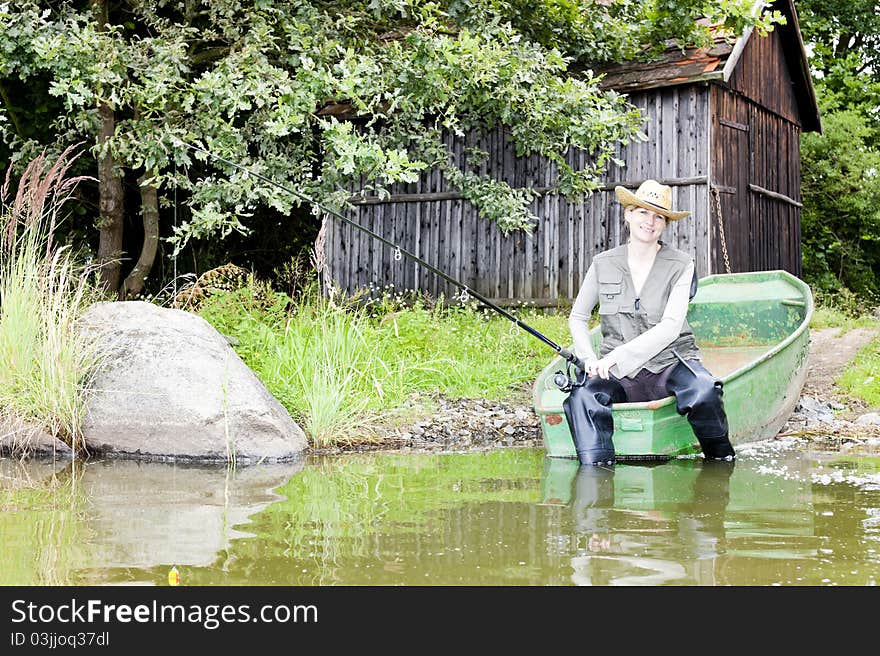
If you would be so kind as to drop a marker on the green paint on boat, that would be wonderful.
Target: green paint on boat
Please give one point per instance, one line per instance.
(753, 332)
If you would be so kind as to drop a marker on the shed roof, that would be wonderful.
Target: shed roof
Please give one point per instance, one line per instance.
(717, 62)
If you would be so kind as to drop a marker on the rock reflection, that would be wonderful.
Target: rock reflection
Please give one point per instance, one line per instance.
(116, 514)
(163, 513)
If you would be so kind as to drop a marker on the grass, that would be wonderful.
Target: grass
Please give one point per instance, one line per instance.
(44, 363)
(343, 370)
(861, 378)
(831, 317)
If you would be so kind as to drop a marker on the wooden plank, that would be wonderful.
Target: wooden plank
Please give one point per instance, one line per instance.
(756, 140)
(542, 189)
(415, 217)
(775, 195)
(636, 163)
(375, 218)
(504, 145)
(567, 287)
(439, 284)
(582, 219)
(733, 124)
(550, 219)
(396, 217)
(529, 242)
(507, 252)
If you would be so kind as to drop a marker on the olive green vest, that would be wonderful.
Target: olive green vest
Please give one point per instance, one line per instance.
(624, 316)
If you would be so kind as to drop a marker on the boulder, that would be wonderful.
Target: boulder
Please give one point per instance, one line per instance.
(169, 386)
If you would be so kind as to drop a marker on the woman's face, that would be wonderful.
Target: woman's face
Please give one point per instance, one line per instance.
(644, 225)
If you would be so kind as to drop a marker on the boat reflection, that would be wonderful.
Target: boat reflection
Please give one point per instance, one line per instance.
(675, 522)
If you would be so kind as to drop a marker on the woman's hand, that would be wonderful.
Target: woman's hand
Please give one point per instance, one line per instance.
(600, 367)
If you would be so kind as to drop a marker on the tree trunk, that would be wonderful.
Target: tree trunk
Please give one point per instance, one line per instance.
(111, 206)
(134, 283)
(110, 224)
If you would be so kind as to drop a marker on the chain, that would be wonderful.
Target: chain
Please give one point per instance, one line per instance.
(721, 228)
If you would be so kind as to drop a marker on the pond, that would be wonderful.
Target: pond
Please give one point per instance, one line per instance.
(779, 515)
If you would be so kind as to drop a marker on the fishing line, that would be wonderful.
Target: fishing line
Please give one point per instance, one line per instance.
(565, 353)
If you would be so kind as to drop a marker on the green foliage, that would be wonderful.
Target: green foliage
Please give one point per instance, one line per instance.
(841, 216)
(258, 83)
(841, 310)
(842, 30)
(840, 167)
(594, 32)
(342, 369)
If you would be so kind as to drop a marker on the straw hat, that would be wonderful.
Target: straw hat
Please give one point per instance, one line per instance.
(652, 196)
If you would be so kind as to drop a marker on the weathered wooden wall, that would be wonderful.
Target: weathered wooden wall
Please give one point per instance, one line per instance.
(756, 163)
(547, 266)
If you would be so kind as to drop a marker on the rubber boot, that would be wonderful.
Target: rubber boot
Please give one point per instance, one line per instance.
(588, 411)
(698, 394)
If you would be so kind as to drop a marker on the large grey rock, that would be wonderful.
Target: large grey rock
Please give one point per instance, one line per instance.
(170, 386)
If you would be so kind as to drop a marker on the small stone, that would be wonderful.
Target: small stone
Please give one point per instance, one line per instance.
(509, 430)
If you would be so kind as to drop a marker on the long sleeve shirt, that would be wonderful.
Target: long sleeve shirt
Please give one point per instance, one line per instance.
(634, 354)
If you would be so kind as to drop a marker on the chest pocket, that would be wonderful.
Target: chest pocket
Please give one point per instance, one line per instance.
(611, 292)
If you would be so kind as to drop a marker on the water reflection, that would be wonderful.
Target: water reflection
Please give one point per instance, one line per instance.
(510, 517)
(610, 543)
(113, 515)
(685, 522)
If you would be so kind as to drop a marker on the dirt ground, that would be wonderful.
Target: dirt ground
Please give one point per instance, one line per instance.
(830, 351)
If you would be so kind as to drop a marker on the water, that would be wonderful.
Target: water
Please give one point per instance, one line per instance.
(778, 515)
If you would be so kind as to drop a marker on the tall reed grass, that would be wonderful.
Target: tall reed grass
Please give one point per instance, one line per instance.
(44, 363)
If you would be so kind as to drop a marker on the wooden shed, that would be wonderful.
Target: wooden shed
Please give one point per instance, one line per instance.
(723, 126)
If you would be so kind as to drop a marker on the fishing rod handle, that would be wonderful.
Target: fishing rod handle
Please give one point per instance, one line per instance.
(571, 357)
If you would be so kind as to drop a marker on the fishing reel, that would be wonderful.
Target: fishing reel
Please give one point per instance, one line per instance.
(568, 380)
(562, 381)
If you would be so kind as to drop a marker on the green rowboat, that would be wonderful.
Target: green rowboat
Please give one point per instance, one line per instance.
(753, 332)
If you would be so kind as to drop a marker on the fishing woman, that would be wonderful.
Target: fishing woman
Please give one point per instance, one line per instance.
(648, 351)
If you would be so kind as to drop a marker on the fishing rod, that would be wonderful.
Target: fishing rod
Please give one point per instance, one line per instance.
(563, 352)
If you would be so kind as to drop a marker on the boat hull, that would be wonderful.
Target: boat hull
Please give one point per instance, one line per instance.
(753, 331)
